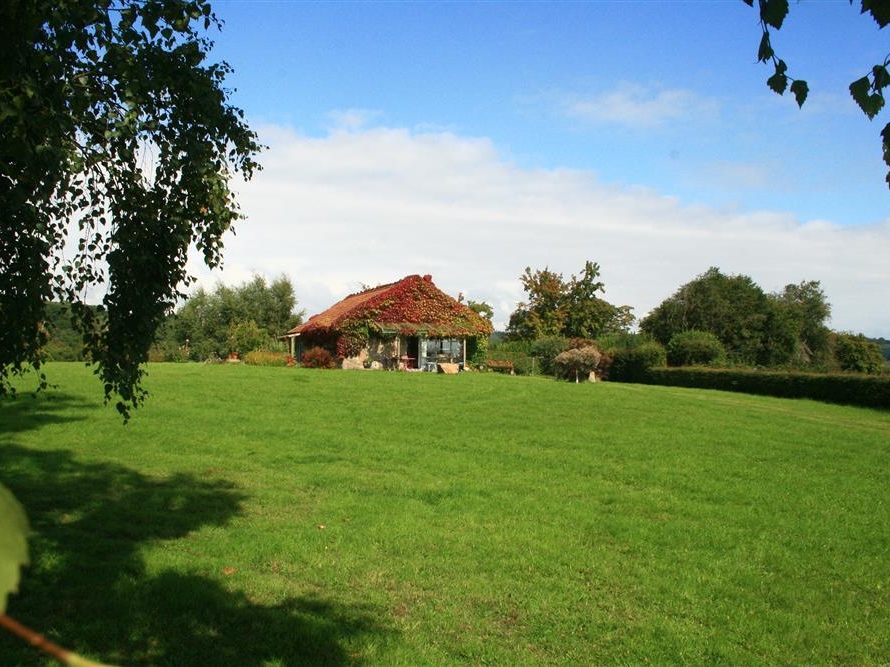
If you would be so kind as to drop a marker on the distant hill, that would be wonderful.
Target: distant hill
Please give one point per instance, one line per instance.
(65, 343)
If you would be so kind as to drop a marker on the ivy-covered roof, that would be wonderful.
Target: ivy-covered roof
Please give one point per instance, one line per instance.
(411, 306)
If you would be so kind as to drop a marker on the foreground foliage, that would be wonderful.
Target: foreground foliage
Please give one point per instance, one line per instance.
(117, 144)
(312, 517)
(867, 91)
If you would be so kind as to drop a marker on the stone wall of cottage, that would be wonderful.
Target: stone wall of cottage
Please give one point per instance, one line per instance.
(380, 354)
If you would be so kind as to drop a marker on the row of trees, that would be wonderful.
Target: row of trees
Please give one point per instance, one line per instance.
(756, 328)
(751, 327)
(209, 325)
(714, 319)
(226, 320)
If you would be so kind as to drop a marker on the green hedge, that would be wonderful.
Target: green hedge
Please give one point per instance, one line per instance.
(852, 389)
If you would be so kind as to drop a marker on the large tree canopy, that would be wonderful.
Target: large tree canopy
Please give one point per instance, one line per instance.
(867, 91)
(569, 308)
(117, 143)
(754, 327)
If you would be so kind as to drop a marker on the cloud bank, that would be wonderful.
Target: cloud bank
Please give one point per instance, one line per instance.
(367, 206)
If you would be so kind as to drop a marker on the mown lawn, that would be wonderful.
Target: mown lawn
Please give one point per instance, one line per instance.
(250, 516)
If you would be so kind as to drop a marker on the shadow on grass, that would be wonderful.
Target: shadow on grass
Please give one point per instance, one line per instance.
(89, 588)
(26, 411)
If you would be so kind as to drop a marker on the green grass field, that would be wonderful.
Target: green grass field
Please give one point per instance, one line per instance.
(270, 516)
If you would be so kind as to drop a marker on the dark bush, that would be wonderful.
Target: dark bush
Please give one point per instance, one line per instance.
(545, 351)
(695, 348)
(317, 357)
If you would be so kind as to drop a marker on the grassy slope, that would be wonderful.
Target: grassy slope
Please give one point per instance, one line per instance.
(255, 516)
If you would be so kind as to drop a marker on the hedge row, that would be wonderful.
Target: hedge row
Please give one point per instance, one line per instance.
(862, 390)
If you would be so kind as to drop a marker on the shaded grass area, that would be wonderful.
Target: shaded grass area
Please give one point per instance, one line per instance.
(272, 516)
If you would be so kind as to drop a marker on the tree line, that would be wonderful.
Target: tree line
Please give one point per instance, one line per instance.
(713, 319)
(210, 324)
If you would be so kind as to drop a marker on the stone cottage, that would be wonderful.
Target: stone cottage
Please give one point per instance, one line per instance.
(409, 324)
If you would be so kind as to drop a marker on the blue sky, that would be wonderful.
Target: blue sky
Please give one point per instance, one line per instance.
(471, 139)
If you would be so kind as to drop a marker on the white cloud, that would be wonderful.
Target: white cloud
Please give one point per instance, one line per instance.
(375, 205)
(740, 175)
(638, 106)
(350, 120)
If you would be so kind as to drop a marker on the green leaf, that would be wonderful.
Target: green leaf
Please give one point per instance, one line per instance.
(765, 51)
(875, 104)
(13, 544)
(800, 90)
(885, 142)
(860, 90)
(778, 82)
(881, 77)
(879, 10)
(773, 12)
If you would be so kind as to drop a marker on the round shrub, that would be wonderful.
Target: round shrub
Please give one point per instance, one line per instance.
(317, 357)
(571, 364)
(695, 348)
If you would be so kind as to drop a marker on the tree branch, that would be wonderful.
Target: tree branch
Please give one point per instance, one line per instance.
(41, 643)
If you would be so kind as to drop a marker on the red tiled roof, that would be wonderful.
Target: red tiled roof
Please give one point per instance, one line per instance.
(411, 303)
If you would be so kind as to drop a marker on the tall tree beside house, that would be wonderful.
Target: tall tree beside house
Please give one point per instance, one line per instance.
(543, 314)
(481, 308)
(568, 308)
(116, 133)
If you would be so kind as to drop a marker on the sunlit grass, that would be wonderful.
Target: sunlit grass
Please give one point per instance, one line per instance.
(272, 516)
